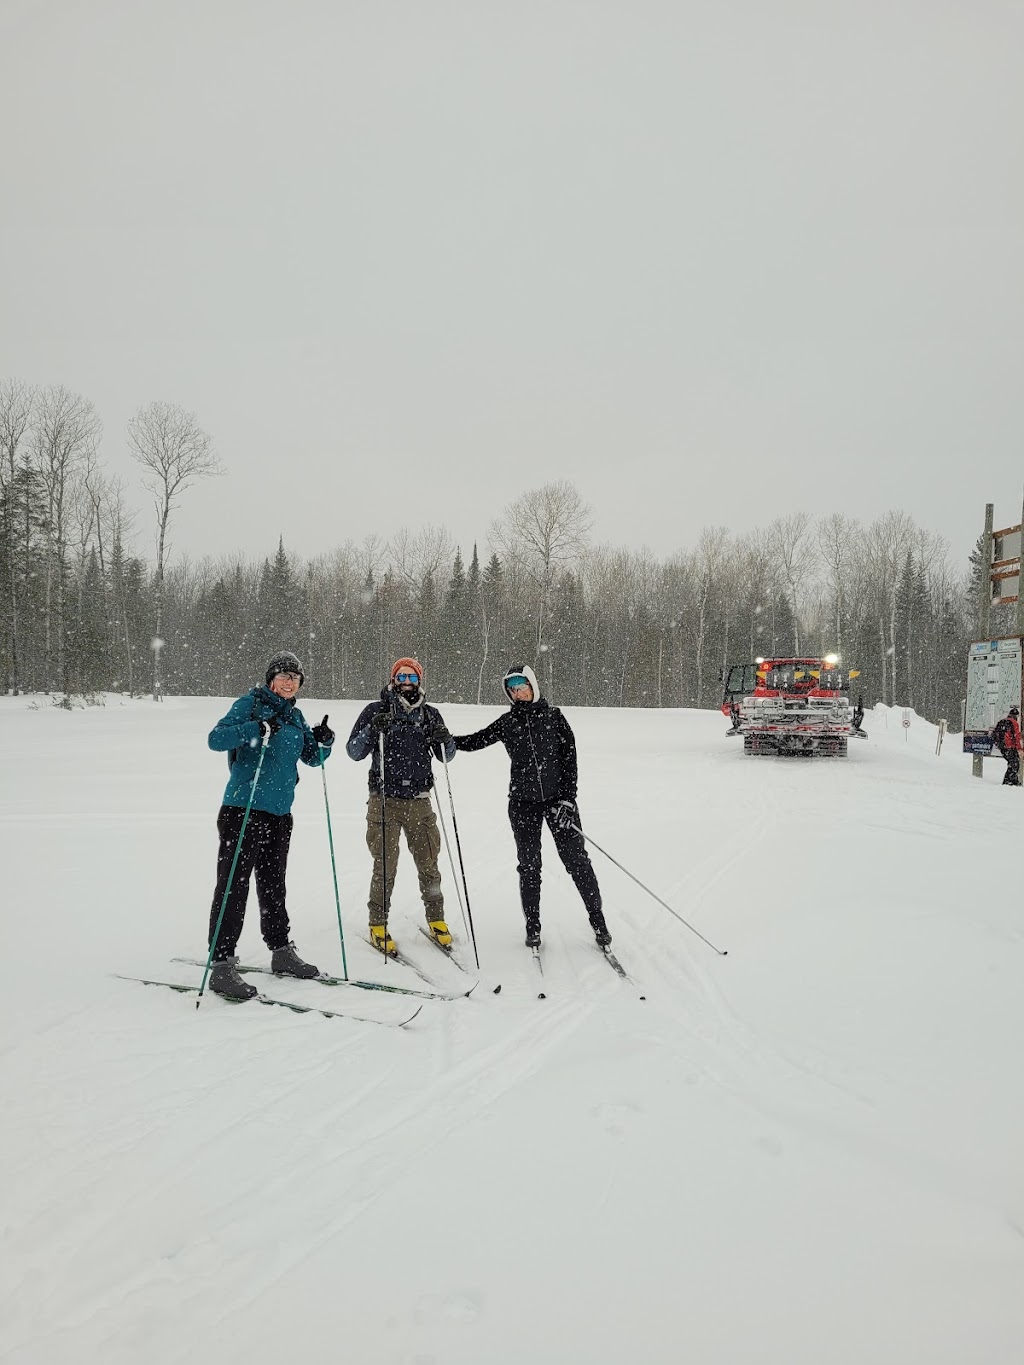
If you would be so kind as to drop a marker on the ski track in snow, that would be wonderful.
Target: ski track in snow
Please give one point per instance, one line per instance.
(806, 1151)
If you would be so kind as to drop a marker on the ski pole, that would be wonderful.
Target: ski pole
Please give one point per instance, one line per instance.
(231, 874)
(334, 869)
(451, 856)
(722, 952)
(458, 847)
(383, 848)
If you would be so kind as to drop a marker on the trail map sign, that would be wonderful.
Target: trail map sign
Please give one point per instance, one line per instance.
(993, 686)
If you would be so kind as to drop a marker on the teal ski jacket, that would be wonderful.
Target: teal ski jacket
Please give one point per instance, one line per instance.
(238, 734)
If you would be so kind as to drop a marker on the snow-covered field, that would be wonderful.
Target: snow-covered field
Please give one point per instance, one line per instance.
(808, 1152)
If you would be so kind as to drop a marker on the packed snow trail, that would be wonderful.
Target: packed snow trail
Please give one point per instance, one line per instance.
(807, 1151)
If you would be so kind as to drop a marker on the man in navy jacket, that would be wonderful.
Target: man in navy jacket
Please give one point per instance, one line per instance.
(399, 799)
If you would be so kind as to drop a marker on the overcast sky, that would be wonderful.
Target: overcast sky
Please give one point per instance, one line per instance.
(406, 259)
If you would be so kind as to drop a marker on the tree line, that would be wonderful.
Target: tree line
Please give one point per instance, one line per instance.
(81, 611)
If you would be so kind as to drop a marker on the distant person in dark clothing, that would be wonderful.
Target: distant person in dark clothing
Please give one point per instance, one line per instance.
(266, 715)
(1006, 737)
(412, 732)
(542, 788)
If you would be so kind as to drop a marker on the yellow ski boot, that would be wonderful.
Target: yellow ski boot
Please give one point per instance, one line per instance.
(382, 940)
(440, 933)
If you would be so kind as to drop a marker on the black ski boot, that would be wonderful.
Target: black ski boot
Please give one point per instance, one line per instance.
(600, 929)
(533, 933)
(225, 981)
(286, 962)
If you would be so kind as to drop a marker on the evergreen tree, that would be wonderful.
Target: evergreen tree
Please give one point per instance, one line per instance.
(25, 504)
(492, 637)
(280, 605)
(783, 627)
(452, 633)
(469, 631)
(563, 661)
(88, 664)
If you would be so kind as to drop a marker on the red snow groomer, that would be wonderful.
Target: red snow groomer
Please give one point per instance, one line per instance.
(792, 707)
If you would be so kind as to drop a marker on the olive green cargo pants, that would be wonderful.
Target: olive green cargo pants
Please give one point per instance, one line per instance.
(416, 817)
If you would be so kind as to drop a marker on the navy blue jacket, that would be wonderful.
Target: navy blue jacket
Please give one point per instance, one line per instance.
(407, 751)
(542, 748)
(239, 732)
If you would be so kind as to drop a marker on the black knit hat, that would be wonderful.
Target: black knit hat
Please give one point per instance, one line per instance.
(1013, 711)
(284, 662)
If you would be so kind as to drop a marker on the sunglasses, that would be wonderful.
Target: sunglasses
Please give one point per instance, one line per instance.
(407, 677)
(518, 681)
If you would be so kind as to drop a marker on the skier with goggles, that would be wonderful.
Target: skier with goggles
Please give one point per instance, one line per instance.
(542, 789)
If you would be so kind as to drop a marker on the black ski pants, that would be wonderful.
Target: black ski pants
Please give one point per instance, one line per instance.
(1012, 777)
(265, 849)
(527, 820)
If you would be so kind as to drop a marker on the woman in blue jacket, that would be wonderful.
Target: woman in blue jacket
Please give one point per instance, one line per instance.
(265, 711)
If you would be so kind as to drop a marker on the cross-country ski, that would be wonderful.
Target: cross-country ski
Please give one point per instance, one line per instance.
(261, 999)
(324, 979)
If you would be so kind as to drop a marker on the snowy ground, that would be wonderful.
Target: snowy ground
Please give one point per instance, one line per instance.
(805, 1153)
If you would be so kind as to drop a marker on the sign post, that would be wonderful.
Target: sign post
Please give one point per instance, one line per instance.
(978, 758)
(994, 676)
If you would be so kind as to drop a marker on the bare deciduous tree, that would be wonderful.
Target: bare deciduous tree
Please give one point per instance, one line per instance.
(175, 452)
(707, 569)
(792, 540)
(116, 521)
(537, 535)
(889, 540)
(16, 404)
(757, 583)
(370, 558)
(415, 557)
(838, 538)
(67, 429)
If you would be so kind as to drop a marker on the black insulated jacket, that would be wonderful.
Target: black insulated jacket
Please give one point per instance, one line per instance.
(541, 747)
(407, 750)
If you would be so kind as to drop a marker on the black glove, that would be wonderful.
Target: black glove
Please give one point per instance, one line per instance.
(381, 722)
(268, 728)
(439, 733)
(323, 734)
(566, 815)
